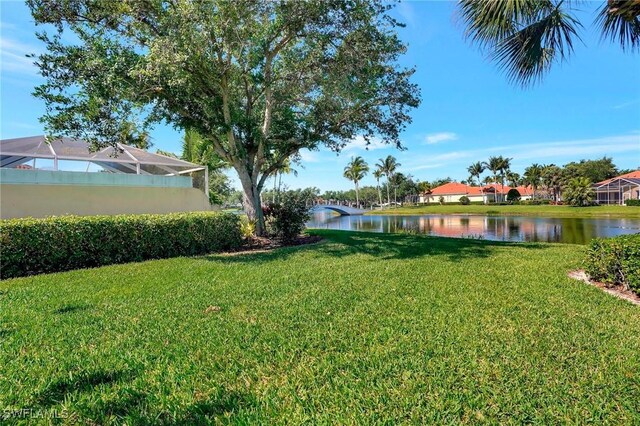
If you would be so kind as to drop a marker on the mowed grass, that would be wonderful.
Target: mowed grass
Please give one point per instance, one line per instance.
(359, 329)
(517, 210)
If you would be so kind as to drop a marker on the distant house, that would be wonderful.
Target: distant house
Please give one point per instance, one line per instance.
(452, 191)
(618, 189)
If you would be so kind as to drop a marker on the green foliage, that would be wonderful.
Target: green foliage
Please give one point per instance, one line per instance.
(441, 199)
(594, 170)
(632, 202)
(34, 246)
(286, 218)
(247, 227)
(513, 195)
(615, 261)
(579, 192)
(464, 200)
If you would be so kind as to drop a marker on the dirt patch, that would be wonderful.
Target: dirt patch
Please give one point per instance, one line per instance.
(261, 244)
(616, 290)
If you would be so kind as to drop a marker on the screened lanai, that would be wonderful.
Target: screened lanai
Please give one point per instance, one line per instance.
(618, 189)
(125, 159)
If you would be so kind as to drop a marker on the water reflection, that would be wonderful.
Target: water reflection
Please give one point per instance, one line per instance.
(500, 228)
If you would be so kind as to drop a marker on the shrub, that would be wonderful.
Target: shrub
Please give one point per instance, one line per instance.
(615, 261)
(34, 246)
(537, 202)
(464, 200)
(579, 192)
(632, 203)
(513, 195)
(286, 218)
(441, 199)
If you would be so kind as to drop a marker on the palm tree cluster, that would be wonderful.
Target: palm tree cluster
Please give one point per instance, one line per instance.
(499, 167)
(387, 167)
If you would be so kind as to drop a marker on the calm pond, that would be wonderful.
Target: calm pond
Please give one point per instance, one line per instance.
(499, 228)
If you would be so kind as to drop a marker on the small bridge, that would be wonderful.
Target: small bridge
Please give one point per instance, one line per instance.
(342, 210)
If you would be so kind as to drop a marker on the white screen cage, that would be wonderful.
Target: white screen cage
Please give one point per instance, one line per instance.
(125, 159)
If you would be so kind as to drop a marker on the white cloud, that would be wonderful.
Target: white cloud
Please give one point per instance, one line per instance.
(309, 156)
(359, 143)
(558, 152)
(435, 138)
(626, 104)
(13, 57)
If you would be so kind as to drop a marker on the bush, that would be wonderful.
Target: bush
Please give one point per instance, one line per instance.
(286, 218)
(615, 261)
(464, 200)
(513, 195)
(632, 203)
(35, 246)
(441, 199)
(536, 202)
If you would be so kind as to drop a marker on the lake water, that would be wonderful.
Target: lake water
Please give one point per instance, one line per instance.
(498, 228)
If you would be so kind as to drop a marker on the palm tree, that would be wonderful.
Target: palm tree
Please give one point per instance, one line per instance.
(494, 164)
(283, 168)
(378, 173)
(552, 179)
(389, 166)
(579, 192)
(513, 178)
(475, 170)
(355, 171)
(532, 176)
(505, 166)
(525, 37)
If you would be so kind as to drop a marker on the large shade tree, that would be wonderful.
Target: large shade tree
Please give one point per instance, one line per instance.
(526, 37)
(259, 80)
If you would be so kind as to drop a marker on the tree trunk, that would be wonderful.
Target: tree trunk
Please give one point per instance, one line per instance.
(388, 195)
(251, 200)
(379, 193)
(357, 196)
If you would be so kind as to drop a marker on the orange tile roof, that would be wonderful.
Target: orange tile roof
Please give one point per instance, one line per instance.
(633, 175)
(455, 188)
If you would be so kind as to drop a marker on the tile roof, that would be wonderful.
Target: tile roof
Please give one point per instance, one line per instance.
(633, 175)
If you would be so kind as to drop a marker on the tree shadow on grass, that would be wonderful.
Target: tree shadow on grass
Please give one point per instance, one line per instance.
(227, 404)
(385, 246)
(56, 392)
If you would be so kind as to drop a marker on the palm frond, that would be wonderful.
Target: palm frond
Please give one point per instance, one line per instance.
(528, 54)
(620, 22)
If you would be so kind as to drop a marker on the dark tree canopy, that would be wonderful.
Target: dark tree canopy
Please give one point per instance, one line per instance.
(258, 80)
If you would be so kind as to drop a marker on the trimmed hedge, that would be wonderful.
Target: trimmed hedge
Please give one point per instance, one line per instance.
(615, 261)
(35, 246)
(634, 203)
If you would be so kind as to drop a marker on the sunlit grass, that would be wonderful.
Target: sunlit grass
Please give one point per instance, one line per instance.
(362, 328)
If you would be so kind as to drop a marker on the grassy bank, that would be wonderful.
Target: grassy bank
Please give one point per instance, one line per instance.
(518, 210)
(363, 328)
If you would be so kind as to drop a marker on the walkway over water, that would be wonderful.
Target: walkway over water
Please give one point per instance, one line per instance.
(342, 210)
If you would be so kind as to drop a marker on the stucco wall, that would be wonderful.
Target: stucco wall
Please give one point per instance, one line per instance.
(37, 200)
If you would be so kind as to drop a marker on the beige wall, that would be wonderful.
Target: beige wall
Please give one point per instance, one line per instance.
(26, 200)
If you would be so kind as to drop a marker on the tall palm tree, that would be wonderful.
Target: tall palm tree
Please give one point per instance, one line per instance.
(505, 166)
(494, 165)
(475, 170)
(552, 178)
(378, 173)
(283, 168)
(532, 176)
(525, 37)
(355, 171)
(389, 166)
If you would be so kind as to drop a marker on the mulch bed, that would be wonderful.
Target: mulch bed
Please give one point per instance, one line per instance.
(614, 290)
(261, 244)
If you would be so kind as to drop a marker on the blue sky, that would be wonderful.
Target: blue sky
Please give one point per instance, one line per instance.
(585, 108)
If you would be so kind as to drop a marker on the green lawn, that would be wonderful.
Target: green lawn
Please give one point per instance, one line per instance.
(362, 328)
(518, 210)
